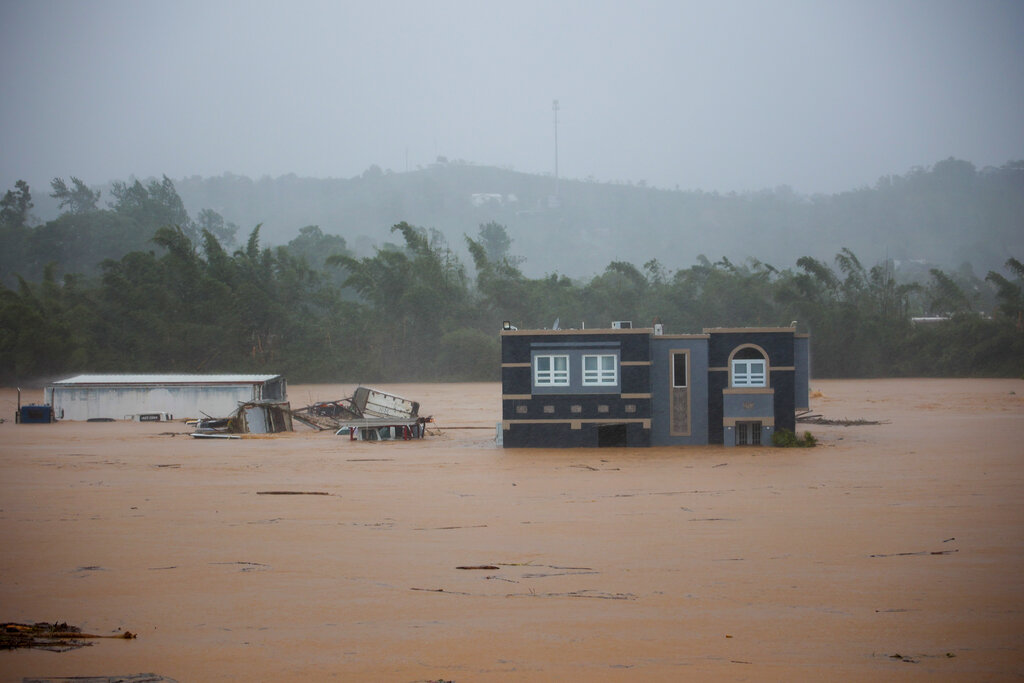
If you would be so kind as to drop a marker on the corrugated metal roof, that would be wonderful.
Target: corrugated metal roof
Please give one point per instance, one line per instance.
(167, 379)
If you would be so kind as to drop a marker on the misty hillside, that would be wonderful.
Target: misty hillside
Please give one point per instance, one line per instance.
(947, 214)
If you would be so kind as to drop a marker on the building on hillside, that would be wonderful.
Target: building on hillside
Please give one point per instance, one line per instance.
(118, 397)
(629, 386)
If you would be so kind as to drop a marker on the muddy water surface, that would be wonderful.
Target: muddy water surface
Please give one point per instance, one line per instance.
(891, 551)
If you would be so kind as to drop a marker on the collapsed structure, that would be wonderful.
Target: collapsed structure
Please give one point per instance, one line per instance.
(640, 387)
(250, 417)
(367, 415)
(224, 405)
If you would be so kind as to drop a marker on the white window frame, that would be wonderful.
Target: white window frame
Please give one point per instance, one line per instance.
(552, 376)
(600, 375)
(744, 374)
(682, 357)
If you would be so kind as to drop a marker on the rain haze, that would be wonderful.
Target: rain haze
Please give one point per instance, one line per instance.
(737, 96)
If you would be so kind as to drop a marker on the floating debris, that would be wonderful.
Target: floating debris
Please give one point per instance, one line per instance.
(292, 493)
(367, 415)
(55, 637)
(807, 417)
(479, 566)
(251, 417)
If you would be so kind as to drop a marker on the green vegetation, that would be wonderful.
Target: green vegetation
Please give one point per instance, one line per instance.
(141, 287)
(784, 438)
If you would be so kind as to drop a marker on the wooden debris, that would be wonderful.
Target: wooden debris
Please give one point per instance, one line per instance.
(292, 493)
(808, 418)
(479, 566)
(55, 637)
(247, 566)
(576, 594)
(920, 552)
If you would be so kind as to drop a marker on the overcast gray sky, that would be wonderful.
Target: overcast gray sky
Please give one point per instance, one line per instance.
(822, 96)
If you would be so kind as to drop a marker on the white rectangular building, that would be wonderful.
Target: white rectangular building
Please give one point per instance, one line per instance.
(90, 397)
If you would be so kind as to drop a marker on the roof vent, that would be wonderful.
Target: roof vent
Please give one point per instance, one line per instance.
(622, 325)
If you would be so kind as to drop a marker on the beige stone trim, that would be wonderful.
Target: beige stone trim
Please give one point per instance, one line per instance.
(765, 421)
(515, 365)
(516, 397)
(576, 424)
(634, 362)
(727, 330)
(749, 390)
(629, 396)
(672, 352)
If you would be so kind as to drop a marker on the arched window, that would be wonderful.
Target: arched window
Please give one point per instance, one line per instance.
(749, 367)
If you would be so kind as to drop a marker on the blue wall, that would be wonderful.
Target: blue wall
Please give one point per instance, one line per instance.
(551, 410)
(803, 372)
(661, 383)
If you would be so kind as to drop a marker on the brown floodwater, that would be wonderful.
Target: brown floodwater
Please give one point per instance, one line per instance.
(891, 551)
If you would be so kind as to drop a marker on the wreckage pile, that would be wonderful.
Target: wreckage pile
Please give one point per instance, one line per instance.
(808, 417)
(251, 417)
(56, 637)
(367, 415)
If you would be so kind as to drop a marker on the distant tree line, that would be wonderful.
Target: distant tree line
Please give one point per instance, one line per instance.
(946, 214)
(141, 287)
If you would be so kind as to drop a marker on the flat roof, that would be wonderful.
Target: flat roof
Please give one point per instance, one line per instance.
(727, 330)
(589, 330)
(650, 330)
(166, 379)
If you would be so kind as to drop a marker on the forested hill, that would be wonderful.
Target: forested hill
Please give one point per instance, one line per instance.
(143, 286)
(946, 215)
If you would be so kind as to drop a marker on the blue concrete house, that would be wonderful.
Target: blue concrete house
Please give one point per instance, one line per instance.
(629, 386)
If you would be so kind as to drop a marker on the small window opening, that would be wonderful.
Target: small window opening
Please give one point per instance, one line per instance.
(679, 370)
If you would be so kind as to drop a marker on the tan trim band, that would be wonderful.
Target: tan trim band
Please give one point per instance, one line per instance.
(749, 390)
(516, 397)
(765, 421)
(515, 365)
(630, 396)
(682, 336)
(726, 330)
(635, 362)
(577, 424)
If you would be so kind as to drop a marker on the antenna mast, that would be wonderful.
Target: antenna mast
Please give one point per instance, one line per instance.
(554, 109)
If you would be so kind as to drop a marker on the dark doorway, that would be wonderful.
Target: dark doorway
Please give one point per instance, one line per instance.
(611, 436)
(748, 433)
